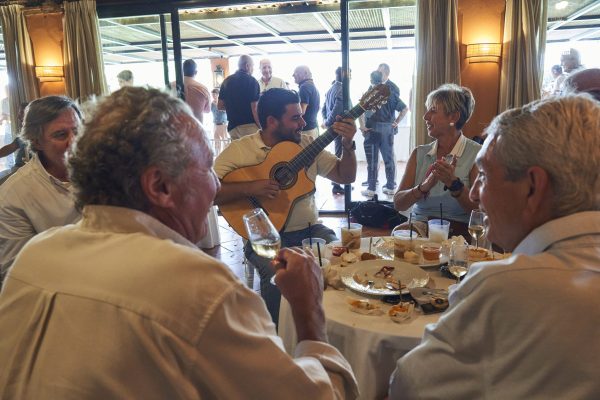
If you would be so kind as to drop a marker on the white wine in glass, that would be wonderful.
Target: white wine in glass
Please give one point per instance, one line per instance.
(263, 236)
(476, 227)
(458, 264)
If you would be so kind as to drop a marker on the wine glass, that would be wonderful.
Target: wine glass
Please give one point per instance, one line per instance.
(263, 236)
(458, 264)
(476, 227)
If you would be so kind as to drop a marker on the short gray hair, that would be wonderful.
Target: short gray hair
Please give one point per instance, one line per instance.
(453, 98)
(131, 130)
(560, 135)
(42, 111)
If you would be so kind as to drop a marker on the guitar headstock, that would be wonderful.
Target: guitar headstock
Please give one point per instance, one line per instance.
(375, 97)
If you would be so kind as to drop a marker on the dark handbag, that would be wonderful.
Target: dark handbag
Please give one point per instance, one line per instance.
(377, 214)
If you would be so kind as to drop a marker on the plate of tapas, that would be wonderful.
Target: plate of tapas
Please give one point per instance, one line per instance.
(384, 277)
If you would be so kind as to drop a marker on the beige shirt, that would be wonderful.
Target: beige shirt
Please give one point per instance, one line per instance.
(251, 150)
(197, 96)
(274, 82)
(120, 306)
(31, 201)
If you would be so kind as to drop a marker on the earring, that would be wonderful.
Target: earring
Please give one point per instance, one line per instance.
(451, 124)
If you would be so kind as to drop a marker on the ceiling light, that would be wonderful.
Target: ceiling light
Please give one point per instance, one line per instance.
(561, 5)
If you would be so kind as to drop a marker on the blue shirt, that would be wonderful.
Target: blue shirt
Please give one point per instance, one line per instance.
(334, 104)
(219, 116)
(387, 112)
(310, 95)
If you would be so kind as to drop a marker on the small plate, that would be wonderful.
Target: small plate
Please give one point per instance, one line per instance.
(409, 274)
(385, 249)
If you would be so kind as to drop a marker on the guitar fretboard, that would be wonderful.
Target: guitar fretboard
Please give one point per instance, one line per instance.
(310, 152)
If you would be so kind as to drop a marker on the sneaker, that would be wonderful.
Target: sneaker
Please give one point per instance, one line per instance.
(368, 193)
(337, 190)
(388, 190)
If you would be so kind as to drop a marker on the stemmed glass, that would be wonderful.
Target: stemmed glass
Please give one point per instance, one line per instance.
(458, 264)
(476, 227)
(263, 236)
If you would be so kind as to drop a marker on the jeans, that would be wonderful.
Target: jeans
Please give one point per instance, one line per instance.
(386, 147)
(269, 292)
(371, 145)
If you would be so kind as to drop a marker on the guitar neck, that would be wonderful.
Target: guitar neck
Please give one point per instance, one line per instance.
(306, 157)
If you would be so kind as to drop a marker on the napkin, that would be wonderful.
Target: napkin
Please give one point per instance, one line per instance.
(333, 278)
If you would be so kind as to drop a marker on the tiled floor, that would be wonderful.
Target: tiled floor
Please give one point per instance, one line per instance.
(230, 251)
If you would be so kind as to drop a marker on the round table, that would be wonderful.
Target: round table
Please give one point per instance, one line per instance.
(371, 344)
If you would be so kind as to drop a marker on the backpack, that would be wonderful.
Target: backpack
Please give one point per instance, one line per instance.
(377, 214)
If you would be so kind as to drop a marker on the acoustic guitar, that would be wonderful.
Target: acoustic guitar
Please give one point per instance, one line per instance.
(286, 163)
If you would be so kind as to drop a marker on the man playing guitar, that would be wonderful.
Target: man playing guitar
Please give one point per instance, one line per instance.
(280, 116)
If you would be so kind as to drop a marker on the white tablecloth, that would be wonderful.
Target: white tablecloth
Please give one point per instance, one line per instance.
(371, 344)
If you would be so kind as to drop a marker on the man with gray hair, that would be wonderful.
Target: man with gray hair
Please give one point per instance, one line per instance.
(238, 95)
(310, 99)
(38, 195)
(525, 326)
(267, 80)
(124, 305)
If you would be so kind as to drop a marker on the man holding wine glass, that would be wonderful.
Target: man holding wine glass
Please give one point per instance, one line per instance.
(123, 304)
(281, 119)
(526, 326)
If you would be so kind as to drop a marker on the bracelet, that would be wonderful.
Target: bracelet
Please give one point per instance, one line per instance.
(425, 194)
(418, 196)
(353, 147)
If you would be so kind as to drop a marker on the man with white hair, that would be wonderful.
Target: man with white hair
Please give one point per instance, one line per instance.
(526, 326)
(123, 305)
(268, 81)
(310, 99)
(238, 95)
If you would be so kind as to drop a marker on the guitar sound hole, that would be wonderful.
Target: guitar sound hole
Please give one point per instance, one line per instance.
(283, 174)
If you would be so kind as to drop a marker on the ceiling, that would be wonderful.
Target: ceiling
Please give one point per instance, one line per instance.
(299, 27)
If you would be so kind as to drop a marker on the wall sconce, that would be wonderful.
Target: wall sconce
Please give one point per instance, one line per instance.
(49, 73)
(218, 76)
(484, 52)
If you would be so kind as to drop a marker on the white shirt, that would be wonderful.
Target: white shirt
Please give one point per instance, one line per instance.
(120, 306)
(31, 201)
(527, 327)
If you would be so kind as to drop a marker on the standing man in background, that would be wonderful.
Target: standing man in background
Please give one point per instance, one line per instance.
(239, 96)
(196, 94)
(385, 122)
(333, 107)
(268, 81)
(309, 99)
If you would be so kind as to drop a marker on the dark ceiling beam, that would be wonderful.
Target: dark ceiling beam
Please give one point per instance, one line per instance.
(286, 34)
(268, 10)
(271, 42)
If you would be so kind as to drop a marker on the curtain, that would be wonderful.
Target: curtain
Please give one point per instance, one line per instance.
(19, 61)
(438, 59)
(84, 65)
(522, 52)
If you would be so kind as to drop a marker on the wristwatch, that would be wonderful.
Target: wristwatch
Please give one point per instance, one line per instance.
(455, 186)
